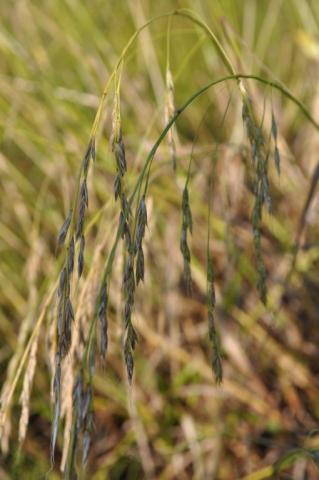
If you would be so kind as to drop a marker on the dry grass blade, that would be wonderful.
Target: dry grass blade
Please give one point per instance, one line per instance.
(26, 390)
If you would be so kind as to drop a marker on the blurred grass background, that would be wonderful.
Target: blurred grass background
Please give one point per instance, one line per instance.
(55, 59)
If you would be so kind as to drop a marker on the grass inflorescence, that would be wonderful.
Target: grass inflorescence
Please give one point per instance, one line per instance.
(81, 349)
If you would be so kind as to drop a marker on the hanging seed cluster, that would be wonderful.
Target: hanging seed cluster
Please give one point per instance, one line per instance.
(118, 149)
(187, 226)
(261, 191)
(133, 271)
(130, 336)
(73, 225)
(135, 257)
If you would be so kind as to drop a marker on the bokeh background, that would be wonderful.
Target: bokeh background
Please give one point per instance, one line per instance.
(55, 58)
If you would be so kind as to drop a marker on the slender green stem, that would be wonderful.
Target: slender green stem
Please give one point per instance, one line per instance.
(278, 86)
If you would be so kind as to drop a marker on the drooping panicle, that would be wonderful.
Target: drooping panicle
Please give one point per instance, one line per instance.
(261, 190)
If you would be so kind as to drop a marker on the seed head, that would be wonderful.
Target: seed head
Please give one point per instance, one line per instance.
(119, 152)
(89, 154)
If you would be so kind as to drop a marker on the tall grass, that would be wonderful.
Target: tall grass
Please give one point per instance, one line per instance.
(174, 217)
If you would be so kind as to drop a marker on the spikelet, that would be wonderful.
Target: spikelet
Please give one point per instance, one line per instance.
(64, 230)
(261, 192)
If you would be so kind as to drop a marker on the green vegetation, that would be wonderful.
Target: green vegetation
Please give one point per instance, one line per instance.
(169, 328)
